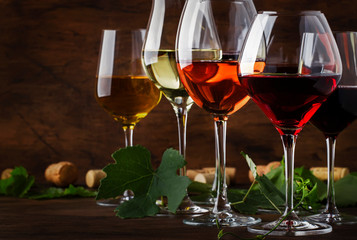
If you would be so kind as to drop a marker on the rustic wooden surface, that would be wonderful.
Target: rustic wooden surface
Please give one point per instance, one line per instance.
(48, 57)
(83, 219)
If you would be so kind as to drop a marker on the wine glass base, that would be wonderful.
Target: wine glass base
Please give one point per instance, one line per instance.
(109, 202)
(192, 210)
(333, 218)
(114, 202)
(291, 228)
(208, 201)
(300, 212)
(187, 207)
(225, 219)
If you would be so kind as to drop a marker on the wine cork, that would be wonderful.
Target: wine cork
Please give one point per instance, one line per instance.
(322, 172)
(272, 165)
(208, 178)
(94, 176)
(230, 171)
(61, 174)
(263, 169)
(191, 173)
(6, 173)
(209, 170)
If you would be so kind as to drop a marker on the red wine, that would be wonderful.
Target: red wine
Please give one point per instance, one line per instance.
(214, 86)
(289, 101)
(337, 112)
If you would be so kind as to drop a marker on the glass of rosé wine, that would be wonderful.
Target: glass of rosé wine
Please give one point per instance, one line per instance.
(209, 39)
(289, 65)
(122, 87)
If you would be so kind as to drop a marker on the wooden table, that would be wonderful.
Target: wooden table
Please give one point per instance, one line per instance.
(81, 218)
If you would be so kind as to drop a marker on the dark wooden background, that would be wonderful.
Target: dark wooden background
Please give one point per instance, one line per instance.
(48, 58)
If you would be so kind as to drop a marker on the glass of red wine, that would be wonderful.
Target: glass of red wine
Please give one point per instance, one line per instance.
(336, 114)
(289, 65)
(209, 39)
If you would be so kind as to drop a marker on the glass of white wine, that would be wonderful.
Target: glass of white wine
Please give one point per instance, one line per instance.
(159, 61)
(122, 87)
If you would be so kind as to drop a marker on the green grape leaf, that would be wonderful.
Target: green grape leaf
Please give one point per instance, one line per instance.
(277, 177)
(199, 188)
(18, 184)
(138, 207)
(270, 191)
(346, 191)
(252, 203)
(250, 163)
(54, 192)
(267, 187)
(200, 192)
(133, 170)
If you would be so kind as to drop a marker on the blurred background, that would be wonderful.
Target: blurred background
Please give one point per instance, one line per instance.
(48, 113)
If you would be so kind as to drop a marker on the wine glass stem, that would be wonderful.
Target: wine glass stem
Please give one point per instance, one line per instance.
(181, 116)
(221, 203)
(128, 135)
(331, 147)
(289, 142)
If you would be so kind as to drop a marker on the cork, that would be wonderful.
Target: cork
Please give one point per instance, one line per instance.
(208, 178)
(263, 169)
(230, 171)
(6, 173)
(272, 165)
(191, 173)
(94, 176)
(62, 173)
(322, 173)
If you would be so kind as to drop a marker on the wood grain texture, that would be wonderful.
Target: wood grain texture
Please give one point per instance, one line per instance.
(48, 58)
(82, 219)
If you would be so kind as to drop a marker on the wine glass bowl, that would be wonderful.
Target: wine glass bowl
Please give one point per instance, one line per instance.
(129, 100)
(203, 81)
(209, 39)
(122, 87)
(336, 114)
(289, 65)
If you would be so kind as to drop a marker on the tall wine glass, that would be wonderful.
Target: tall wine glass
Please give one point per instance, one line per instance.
(337, 113)
(289, 65)
(209, 40)
(159, 61)
(122, 87)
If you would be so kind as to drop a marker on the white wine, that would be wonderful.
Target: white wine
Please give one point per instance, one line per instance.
(128, 99)
(161, 69)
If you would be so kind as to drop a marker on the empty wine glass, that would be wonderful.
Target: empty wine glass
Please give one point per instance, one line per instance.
(289, 65)
(122, 87)
(337, 113)
(209, 39)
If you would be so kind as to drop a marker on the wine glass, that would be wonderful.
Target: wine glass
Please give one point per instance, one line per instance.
(337, 113)
(158, 57)
(122, 87)
(209, 39)
(289, 65)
